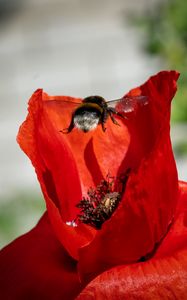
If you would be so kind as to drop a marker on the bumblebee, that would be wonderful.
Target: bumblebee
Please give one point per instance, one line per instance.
(95, 110)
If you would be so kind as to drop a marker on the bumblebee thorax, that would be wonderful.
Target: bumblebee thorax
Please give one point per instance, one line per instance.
(95, 99)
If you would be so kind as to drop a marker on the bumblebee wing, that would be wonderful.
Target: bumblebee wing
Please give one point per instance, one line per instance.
(128, 104)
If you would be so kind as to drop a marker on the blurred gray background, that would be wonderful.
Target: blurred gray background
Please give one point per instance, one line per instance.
(67, 47)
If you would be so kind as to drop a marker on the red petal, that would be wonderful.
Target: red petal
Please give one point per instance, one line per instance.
(149, 203)
(153, 280)
(51, 157)
(162, 277)
(111, 147)
(56, 171)
(176, 238)
(36, 266)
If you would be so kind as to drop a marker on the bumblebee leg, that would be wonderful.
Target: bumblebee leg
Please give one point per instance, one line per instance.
(113, 119)
(104, 117)
(70, 128)
(103, 126)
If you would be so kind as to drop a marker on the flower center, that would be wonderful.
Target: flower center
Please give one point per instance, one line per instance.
(102, 201)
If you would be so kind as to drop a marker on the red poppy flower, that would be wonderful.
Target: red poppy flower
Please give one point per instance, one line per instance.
(139, 251)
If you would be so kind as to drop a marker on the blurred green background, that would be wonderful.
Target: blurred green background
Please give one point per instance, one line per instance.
(165, 37)
(18, 213)
(165, 30)
(79, 48)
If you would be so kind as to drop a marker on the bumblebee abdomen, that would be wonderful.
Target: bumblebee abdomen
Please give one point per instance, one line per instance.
(87, 117)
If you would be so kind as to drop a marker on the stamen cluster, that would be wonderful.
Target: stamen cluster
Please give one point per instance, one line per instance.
(101, 202)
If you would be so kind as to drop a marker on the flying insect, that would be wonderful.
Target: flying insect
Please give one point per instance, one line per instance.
(95, 110)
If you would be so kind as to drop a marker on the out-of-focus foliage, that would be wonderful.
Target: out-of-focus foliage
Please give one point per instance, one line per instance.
(18, 214)
(166, 35)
